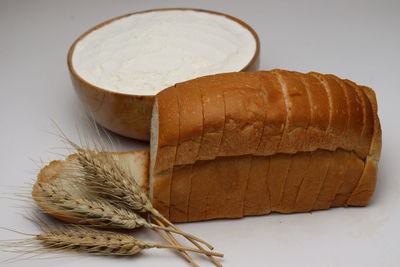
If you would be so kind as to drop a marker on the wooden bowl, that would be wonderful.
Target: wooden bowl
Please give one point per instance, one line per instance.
(126, 114)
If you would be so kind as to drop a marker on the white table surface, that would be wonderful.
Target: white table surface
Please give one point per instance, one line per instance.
(359, 40)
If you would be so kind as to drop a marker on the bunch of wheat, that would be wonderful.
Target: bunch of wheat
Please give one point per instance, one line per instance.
(109, 198)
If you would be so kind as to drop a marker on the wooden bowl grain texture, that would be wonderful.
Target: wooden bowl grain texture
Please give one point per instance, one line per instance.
(126, 114)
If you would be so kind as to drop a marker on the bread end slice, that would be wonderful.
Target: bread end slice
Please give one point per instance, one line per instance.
(134, 163)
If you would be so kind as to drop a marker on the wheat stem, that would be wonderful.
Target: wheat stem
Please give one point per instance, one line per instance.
(173, 241)
(216, 262)
(187, 235)
(213, 260)
(210, 253)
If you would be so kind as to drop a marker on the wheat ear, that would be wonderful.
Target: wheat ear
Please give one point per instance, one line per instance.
(112, 180)
(94, 212)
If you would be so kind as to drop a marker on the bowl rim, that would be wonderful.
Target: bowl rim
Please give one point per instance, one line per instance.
(83, 35)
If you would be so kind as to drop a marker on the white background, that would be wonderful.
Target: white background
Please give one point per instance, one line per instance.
(359, 40)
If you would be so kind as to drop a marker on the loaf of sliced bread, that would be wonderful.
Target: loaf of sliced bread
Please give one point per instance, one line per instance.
(237, 144)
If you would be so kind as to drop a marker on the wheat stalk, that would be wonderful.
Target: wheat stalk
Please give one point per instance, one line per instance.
(90, 242)
(111, 182)
(102, 243)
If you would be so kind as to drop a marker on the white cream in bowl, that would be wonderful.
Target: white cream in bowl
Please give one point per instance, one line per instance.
(143, 53)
